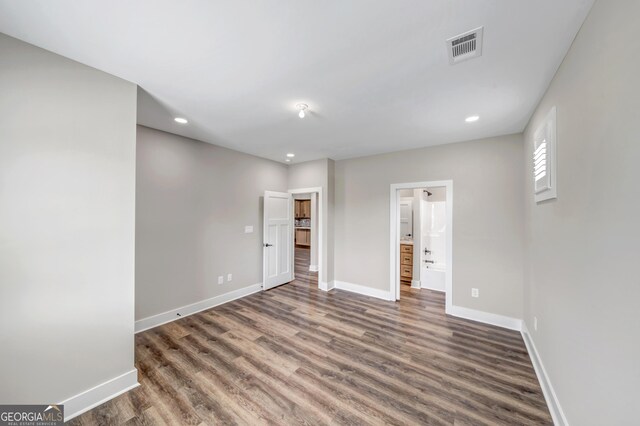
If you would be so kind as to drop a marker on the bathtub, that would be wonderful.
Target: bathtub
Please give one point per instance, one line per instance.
(433, 276)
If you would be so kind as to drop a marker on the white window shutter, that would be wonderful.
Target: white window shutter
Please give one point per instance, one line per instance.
(544, 158)
(540, 174)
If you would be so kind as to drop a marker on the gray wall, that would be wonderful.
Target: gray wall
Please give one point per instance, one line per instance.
(193, 202)
(319, 173)
(67, 206)
(487, 217)
(583, 248)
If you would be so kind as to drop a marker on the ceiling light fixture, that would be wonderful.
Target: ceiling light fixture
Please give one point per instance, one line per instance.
(290, 155)
(302, 108)
(181, 120)
(472, 118)
(288, 160)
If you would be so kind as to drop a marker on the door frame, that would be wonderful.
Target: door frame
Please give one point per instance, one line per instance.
(394, 236)
(321, 226)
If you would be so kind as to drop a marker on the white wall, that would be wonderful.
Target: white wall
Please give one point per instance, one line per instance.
(193, 202)
(67, 213)
(488, 221)
(583, 248)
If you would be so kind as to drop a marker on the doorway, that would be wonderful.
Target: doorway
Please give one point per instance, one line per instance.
(421, 237)
(308, 255)
(305, 237)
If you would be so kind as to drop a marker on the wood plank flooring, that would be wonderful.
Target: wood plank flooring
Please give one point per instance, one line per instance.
(297, 355)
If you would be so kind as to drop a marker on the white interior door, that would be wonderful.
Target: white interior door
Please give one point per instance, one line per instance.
(278, 239)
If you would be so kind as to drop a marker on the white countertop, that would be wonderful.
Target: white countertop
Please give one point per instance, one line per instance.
(303, 227)
(407, 242)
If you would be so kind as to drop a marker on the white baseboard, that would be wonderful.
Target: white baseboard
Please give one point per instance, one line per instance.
(100, 394)
(364, 290)
(415, 283)
(324, 286)
(553, 403)
(172, 315)
(486, 317)
(313, 268)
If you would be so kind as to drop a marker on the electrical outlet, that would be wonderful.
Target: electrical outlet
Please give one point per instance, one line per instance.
(229, 277)
(475, 292)
(248, 229)
(221, 279)
(535, 323)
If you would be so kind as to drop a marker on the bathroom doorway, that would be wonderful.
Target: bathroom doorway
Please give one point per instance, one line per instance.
(421, 237)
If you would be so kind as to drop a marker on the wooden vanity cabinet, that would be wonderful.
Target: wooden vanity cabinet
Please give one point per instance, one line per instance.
(406, 262)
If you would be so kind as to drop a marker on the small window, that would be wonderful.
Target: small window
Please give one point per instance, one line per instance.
(544, 162)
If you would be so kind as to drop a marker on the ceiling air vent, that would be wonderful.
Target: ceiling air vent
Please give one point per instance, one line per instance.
(465, 46)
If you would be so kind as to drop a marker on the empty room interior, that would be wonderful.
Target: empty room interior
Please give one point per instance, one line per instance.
(319, 212)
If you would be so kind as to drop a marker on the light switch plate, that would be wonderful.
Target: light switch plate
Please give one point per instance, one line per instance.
(475, 292)
(248, 229)
(229, 277)
(221, 279)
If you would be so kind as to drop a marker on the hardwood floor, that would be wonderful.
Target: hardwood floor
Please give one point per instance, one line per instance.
(302, 260)
(297, 355)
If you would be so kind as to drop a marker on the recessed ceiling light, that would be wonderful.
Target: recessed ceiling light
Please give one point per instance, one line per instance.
(472, 118)
(181, 120)
(302, 108)
(288, 160)
(290, 155)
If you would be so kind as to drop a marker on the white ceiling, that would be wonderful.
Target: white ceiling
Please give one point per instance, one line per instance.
(375, 73)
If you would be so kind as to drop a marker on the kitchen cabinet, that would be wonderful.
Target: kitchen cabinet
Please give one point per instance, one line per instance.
(303, 237)
(303, 209)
